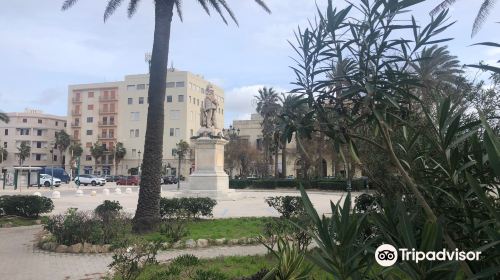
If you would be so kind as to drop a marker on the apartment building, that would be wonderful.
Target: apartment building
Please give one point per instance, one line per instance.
(38, 131)
(121, 117)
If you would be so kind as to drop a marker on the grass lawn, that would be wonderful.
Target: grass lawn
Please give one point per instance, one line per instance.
(229, 267)
(230, 228)
(20, 221)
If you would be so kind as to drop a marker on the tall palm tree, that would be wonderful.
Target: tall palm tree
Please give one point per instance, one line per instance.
(76, 151)
(97, 151)
(482, 14)
(63, 141)
(147, 215)
(268, 107)
(24, 152)
(120, 151)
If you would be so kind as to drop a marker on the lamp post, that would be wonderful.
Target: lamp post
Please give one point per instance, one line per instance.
(139, 164)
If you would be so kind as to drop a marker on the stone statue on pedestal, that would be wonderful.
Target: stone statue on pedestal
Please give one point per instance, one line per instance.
(209, 109)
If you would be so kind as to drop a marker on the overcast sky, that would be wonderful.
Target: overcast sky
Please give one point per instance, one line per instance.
(43, 50)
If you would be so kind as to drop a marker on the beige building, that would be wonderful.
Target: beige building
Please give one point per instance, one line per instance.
(250, 131)
(38, 131)
(121, 117)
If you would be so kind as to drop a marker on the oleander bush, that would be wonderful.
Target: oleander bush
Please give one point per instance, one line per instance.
(334, 184)
(28, 206)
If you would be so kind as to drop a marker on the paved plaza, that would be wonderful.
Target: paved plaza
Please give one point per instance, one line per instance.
(19, 259)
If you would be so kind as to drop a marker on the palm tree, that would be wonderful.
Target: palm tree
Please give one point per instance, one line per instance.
(268, 107)
(97, 151)
(76, 151)
(62, 143)
(3, 117)
(24, 152)
(181, 151)
(147, 215)
(481, 16)
(120, 151)
(3, 154)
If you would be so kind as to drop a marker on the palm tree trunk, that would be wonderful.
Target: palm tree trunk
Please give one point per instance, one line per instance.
(283, 160)
(276, 171)
(147, 215)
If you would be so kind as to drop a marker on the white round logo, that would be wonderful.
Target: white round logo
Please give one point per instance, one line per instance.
(386, 255)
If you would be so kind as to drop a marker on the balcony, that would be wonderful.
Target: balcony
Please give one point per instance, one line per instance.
(107, 112)
(108, 99)
(75, 124)
(76, 100)
(106, 137)
(107, 124)
(76, 113)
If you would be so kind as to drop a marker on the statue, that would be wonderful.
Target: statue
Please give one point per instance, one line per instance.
(209, 109)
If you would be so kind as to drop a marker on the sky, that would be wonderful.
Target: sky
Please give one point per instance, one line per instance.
(43, 50)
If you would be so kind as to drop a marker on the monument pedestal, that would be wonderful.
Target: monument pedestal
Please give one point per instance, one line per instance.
(209, 178)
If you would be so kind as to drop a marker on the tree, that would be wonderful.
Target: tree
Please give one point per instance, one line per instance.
(24, 152)
(62, 143)
(3, 117)
(76, 151)
(97, 151)
(181, 151)
(3, 154)
(268, 107)
(120, 151)
(481, 16)
(147, 215)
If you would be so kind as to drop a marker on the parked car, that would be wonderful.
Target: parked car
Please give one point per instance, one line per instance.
(86, 179)
(169, 180)
(129, 180)
(57, 172)
(46, 180)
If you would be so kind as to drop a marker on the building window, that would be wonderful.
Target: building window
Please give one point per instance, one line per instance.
(175, 114)
(190, 99)
(5, 145)
(141, 100)
(170, 84)
(174, 151)
(39, 132)
(179, 84)
(191, 132)
(130, 87)
(90, 107)
(169, 98)
(76, 134)
(180, 98)
(89, 132)
(132, 133)
(6, 132)
(111, 120)
(90, 119)
(38, 144)
(141, 86)
(137, 133)
(55, 158)
(104, 120)
(134, 116)
(40, 121)
(64, 124)
(38, 157)
(172, 132)
(134, 153)
(104, 133)
(177, 132)
(25, 120)
(57, 123)
(24, 131)
(130, 101)
(197, 102)
(88, 157)
(91, 94)
(88, 145)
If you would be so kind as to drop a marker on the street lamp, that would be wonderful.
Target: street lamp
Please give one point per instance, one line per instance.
(139, 163)
(232, 132)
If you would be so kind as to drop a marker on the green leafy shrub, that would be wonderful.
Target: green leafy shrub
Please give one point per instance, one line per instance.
(83, 226)
(334, 184)
(108, 209)
(132, 256)
(174, 229)
(366, 203)
(186, 207)
(201, 274)
(186, 260)
(29, 206)
(287, 206)
(259, 275)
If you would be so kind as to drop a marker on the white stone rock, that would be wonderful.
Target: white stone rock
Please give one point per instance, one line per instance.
(118, 191)
(79, 193)
(105, 192)
(202, 243)
(56, 194)
(128, 190)
(37, 194)
(93, 193)
(190, 243)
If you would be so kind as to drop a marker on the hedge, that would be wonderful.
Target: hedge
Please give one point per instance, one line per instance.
(322, 184)
(28, 206)
(186, 207)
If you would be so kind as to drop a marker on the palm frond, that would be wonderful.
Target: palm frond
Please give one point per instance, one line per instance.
(132, 7)
(204, 4)
(216, 6)
(68, 4)
(481, 16)
(229, 11)
(263, 5)
(443, 5)
(4, 118)
(111, 8)
(178, 7)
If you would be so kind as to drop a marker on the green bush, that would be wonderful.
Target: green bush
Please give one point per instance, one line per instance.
(334, 184)
(287, 206)
(82, 226)
(29, 206)
(108, 208)
(209, 275)
(186, 207)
